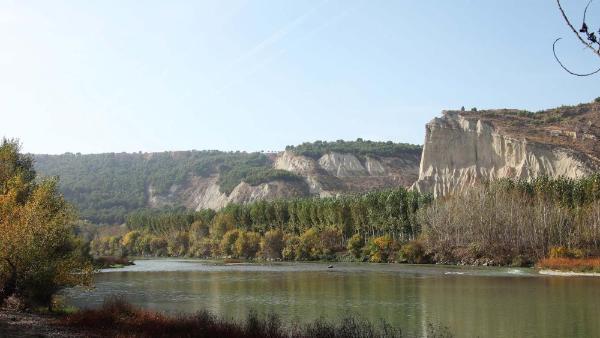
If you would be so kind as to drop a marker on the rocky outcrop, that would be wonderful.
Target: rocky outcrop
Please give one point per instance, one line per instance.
(462, 150)
(204, 193)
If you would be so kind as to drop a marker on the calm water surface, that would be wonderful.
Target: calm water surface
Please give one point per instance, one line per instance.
(472, 302)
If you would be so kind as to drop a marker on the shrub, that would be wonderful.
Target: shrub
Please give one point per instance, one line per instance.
(290, 250)
(381, 249)
(272, 244)
(308, 246)
(563, 252)
(247, 244)
(331, 240)
(228, 241)
(118, 318)
(355, 245)
(413, 252)
(178, 243)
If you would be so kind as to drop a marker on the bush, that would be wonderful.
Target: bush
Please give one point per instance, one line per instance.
(247, 244)
(291, 247)
(355, 245)
(227, 243)
(563, 252)
(272, 244)
(381, 249)
(177, 244)
(118, 318)
(331, 241)
(308, 246)
(413, 252)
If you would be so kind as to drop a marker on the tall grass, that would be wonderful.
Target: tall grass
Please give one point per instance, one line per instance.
(571, 264)
(118, 318)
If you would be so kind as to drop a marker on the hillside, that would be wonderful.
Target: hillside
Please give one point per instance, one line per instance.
(462, 148)
(106, 187)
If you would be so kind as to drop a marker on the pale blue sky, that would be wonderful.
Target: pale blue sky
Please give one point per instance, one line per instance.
(104, 76)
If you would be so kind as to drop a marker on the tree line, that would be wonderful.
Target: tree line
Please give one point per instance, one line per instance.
(504, 222)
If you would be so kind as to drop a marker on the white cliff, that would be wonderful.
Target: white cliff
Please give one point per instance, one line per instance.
(460, 151)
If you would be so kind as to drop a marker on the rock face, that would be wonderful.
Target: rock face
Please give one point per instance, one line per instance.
(204, 193)
(462, 149)
(330, 175)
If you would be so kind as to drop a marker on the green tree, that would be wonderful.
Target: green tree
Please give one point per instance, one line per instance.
(39, 253)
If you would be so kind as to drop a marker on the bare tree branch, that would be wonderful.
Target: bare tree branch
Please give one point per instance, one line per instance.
(565, 68)
(588, 45)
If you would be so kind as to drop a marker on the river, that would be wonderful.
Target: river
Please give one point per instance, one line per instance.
(470, 301)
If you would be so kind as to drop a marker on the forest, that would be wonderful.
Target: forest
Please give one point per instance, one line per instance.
(505, 222)
(107, 187)
(359, 148)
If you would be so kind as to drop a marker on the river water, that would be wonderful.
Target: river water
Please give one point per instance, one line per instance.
(471, 302)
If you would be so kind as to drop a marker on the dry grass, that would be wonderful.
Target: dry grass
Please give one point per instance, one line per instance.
(117, 318)
(571, 264)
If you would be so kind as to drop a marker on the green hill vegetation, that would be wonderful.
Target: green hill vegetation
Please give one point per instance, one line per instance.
(359, 147)
(106, 187)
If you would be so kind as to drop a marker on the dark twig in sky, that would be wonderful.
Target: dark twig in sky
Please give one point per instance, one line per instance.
(583, 32)
(565, 68)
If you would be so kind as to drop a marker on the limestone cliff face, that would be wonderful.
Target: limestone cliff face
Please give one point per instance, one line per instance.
(335, 173)
(204, 192)
(461, 150)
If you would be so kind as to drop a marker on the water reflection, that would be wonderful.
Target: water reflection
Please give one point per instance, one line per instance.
(480, 302)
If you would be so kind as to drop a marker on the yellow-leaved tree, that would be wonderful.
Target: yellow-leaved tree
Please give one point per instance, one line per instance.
(39, 253)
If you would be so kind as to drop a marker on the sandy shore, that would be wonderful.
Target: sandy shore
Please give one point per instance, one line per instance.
(23, 324)
(568, 273)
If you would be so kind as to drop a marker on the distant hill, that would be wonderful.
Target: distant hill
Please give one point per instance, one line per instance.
(106, 187)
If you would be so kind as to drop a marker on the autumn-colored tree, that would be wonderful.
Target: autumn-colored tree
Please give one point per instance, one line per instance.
(247, 244)
(272, 244)
(39, 254)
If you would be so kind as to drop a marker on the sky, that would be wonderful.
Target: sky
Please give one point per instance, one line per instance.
(113, 76)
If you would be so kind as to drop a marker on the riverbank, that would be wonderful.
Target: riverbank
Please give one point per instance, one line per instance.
(117, 318)
(19, 324)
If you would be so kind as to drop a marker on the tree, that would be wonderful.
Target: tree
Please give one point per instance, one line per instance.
(355, 245)
(585, 35)
(39, 253)
(272, 244)
(247, 244)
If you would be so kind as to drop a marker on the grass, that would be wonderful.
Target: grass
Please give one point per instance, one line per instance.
(118, 318)
(571, 264)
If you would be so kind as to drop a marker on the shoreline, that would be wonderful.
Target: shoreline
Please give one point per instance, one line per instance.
(568, 273)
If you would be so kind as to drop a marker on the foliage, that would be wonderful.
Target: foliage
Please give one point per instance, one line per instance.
(39, 253)
(227, 243)
(382, 249)
(355, 245)
(272, 244)
(508, 219)
(413, 252)
(570, 264)
(247, 244)
(359, 147)
(116, 317)
(106, 187)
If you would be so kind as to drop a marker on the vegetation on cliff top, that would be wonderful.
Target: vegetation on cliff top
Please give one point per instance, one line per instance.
(359, 147)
